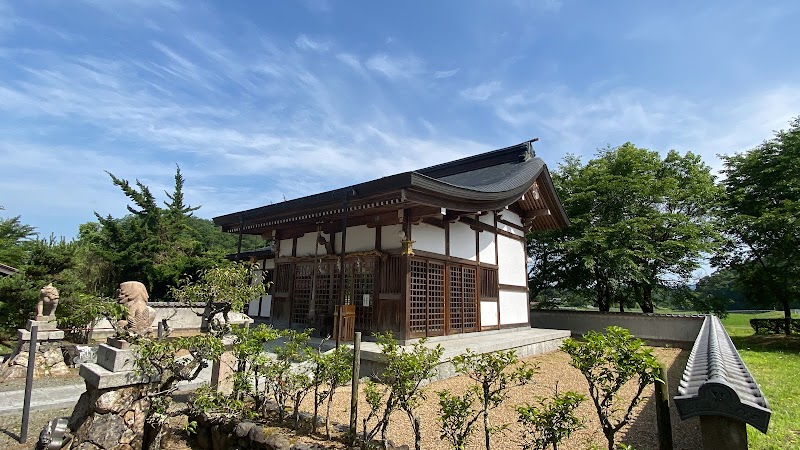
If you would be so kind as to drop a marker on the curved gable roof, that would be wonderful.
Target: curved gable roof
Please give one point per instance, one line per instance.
(484, 182)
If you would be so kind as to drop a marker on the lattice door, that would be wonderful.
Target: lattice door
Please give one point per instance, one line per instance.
(426, 317)
(456, 307)
(302, 293)
(419, 298)
(435, 299)
(469, 299)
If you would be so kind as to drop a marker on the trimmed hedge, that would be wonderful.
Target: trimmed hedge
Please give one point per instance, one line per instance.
(773, 326)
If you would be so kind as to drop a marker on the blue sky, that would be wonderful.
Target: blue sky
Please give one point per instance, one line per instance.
(261, 101)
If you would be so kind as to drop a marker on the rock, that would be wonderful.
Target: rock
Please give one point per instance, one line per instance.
(123, 447)
(21, 359)
(243, 428)
(106, 430)
(87, 446)
(116, 400)
(258, 437)
(303, 446)
(53, 356)
(277, 442)
(219, 438)
(59, 368)
(127, 437)
(140, 408)
(129, 418)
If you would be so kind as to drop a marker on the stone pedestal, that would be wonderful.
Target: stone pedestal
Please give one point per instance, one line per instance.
(114, 368)
(112, 411)
(49, 358)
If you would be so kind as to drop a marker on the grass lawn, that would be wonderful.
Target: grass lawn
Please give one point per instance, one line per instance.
(774, 361)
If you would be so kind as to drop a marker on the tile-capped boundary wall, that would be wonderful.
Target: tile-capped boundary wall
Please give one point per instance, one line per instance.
(717, 386)
(673, 329)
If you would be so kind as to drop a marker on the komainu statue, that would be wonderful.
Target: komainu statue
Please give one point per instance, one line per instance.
(133, 295)
(48, 301)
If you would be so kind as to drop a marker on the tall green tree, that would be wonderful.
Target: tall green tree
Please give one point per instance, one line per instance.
(13, 234)
(760, 217)
(157, 244)
(154, 244)
(637, 220)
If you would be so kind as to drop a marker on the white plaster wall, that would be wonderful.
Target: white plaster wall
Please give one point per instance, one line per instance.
(359, 239)
(488, 314)
(462, 241)
(428, 238)
(511, 269)
(486, 240)
(269, 264)
(306, 244)
(285, 247)
(513, 307)
(512, 217)
(389, 239)
(488, 219)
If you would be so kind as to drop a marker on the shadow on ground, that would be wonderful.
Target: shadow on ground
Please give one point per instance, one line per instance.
(643, 435)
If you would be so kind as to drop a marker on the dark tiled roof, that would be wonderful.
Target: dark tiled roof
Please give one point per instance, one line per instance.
(716, 382)
(7, 270)
(489, 181)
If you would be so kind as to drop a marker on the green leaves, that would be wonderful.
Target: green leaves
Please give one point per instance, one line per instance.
(608, 361)
(550, 421)
(760, 218)
(636, 219)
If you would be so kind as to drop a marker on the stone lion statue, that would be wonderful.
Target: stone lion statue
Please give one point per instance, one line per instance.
(48, 301)
(133, 295)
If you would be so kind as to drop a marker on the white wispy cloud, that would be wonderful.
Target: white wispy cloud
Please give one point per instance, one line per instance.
(350, 60)
(575, 123)
(304, 42)
(482, 92)
(395, 67)
(445, 73)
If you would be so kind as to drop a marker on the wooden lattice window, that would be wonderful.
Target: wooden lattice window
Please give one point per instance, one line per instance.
(392, 275)
(302, 293)
(283, 279)
(490, 290)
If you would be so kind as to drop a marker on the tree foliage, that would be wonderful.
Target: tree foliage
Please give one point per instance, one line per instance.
(550, 421)
(158, 245)
(224, 288)
(637, 220)
(402, 381)
(494, 373)
(609, 361)
(760, 216)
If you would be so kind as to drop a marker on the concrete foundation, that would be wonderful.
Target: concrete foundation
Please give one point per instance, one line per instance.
(526, 341)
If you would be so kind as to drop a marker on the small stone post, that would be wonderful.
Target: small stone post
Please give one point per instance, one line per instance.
(354, 385)
(662, 411)
(26, 405)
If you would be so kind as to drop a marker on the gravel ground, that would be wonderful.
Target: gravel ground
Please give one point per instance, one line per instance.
(554, 369)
